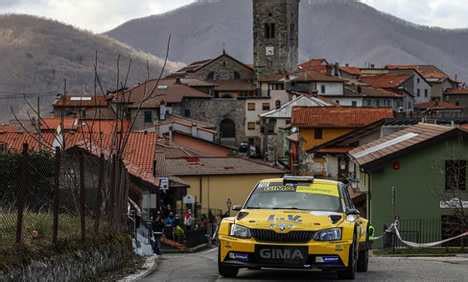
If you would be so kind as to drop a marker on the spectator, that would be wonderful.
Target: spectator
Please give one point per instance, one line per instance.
(169, 224)
(179, 234)
(188, 220)
(158, 230)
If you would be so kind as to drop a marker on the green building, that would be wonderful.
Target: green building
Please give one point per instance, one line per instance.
(419, 175)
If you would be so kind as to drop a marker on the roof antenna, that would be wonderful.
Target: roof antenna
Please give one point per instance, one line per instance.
(224, 48)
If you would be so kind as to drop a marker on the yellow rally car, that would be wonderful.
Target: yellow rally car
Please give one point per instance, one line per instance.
(295, 222)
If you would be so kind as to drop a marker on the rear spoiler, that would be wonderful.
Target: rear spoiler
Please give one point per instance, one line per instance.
(298, 179)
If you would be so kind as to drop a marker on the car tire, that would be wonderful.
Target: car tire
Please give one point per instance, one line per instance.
(224, 270)
(363, 261)
(350, 272)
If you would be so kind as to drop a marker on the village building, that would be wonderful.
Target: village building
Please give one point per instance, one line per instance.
(315, 126)
(438, 79)
(275, 127)
(439, 109)
(457, 96)
(85, 107)
(426, 162)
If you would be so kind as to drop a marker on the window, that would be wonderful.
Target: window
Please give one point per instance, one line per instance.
(354, 103)
(419, 92)
(323, 89)
(277, 86)
(455, 175)
(426, 93)
(266, 106)
(210, 75)
(368, 102)
(418, 80)
(251, 125)
(318, 133)
(236, 75)
(277, 104)
(3, 148)
(251, 106)
(148, 115)
(187, 113)
(270, 30)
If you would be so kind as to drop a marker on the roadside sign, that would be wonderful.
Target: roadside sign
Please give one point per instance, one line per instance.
(188, 200)
(164, 184)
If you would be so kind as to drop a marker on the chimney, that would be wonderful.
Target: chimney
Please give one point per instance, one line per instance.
(194, 130)
(170, 135)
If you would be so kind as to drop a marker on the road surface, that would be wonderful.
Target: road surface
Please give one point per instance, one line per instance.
(203, 267)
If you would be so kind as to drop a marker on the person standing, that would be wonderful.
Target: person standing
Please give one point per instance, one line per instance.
(157, 227)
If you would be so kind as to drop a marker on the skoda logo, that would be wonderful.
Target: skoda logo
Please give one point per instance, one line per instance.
(282, 227)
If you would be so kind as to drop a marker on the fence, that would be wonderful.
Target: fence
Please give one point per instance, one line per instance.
(426, 230)
(49, 198)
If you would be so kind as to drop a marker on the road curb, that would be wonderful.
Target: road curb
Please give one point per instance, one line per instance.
(148, 268)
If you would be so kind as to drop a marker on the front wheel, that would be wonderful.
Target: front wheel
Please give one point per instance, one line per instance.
(363, 261)
(224, 270)
(350, 272)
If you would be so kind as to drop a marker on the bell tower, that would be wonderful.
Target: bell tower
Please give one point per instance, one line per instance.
(276, 36)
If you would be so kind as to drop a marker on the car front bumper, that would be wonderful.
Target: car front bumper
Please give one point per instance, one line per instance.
(244, 253)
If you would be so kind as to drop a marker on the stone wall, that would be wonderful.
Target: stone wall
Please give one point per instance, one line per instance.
(80, 265)
(216, 110)
(223, 69)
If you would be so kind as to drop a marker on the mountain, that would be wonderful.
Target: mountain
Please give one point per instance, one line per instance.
(37, 54)
(344, 31)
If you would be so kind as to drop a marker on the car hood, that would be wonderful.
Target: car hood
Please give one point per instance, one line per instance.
(288, 220)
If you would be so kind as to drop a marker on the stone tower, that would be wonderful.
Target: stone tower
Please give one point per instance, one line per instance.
(276, 36)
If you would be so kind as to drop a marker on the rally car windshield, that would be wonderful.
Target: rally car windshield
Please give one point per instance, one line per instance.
(293, 198)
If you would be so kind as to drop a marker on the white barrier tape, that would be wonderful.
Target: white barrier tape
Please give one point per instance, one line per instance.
(426, 245)
(388, 230)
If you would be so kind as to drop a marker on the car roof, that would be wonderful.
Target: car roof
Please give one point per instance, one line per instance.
(316, 181)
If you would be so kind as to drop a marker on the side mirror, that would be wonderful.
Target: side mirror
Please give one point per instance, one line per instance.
(236, 208)
(353, 212)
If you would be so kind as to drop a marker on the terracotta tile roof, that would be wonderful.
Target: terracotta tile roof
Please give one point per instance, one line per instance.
(390, 80)
(429, 72)
(371, 92)
(191, 166)
(351, 70)
(273, 77)
(398, 141)
(198, 65)
(456, 91)
(139, 153)
(82, 102)
(172, 118)
(437, 105)
(7, 127)
(313, 76)
(52, 123)
(319, 65)
(338, 117)
(104, 126)
(187, 146)
(168, 90)
(335, 150)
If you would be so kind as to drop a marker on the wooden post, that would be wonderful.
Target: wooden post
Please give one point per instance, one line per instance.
(99, 194)
(20, 195)
(82, 197)
(56, 203)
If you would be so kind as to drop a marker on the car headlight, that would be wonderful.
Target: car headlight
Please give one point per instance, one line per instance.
(333, 234)
(240, 231)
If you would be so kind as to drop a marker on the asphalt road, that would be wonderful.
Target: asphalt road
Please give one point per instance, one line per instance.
(203, 267)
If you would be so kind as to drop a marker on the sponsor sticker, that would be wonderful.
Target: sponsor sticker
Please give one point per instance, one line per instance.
(326, 189)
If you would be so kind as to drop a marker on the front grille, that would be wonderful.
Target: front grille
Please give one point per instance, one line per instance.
(263, 235)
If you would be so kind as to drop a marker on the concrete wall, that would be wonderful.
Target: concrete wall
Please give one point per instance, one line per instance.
(331, 88)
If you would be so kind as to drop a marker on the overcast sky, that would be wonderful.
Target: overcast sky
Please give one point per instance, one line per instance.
(103, 15)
